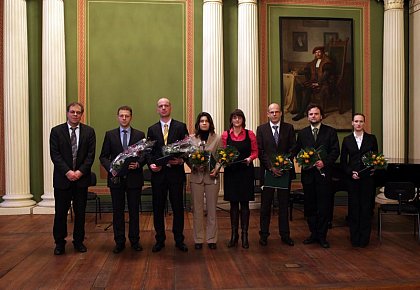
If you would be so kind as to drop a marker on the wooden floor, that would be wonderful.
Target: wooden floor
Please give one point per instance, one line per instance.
(27, 260)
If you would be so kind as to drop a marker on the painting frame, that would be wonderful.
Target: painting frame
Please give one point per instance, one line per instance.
(300, 41)
(337, 96)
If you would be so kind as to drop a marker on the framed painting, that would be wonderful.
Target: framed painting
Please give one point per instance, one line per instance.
(316, 66)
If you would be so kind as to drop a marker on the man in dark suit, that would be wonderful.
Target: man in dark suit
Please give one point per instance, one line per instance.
(316, 181)
(115, 142)
(275, 137)
(72, 150)
(167, 178)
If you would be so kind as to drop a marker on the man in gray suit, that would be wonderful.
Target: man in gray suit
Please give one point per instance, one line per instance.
(275, 137)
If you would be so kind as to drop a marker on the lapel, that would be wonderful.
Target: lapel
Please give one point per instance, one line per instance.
(172, 131)
(159, 134)
(66, 133)
(81, 137)
(116, 136)
(365, 141)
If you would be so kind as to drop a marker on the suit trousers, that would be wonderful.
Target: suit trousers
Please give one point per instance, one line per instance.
(360, 210)
(63, 200)
(118, 196)
(211, 192)
(317, 207)
(267, 198)
(160, 194)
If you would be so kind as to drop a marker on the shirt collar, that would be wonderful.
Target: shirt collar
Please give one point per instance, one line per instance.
(163, 123)
(242, 131)
(69, 126)
(128, 130)
(272, 124)
(317, 126)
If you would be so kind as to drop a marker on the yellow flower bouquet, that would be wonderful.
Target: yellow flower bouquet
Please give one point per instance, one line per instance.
(227, 155)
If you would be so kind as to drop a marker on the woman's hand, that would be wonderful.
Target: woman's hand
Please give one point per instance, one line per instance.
(355, 175)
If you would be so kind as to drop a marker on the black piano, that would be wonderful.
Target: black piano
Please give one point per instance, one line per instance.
(401, 170)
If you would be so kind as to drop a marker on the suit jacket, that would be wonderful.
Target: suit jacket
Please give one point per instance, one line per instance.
(213, 142)
(111, 147)
(61, 155)
(267, 147)
(328, 139)
(351, 155)
(177, 131)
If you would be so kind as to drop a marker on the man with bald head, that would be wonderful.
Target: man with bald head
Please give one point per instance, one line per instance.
(167, 178)
(275, 137)
(319, 80)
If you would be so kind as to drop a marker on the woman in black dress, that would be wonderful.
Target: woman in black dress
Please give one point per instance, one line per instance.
(239, 177)
(361, 184)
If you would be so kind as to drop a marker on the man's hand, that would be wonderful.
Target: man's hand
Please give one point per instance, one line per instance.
(155, 168)
(71, 175)
(355, 175)
(276, 172)
(319, 164)
(133, 165)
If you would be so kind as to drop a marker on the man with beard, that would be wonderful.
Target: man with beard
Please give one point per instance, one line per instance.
(316, 180)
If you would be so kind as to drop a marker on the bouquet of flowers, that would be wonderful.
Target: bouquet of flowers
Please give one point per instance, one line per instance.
(199, 159)
(180, 149)
(282, 162)
(226, 156)
(132, 153)
(307, 158)
(375, 160)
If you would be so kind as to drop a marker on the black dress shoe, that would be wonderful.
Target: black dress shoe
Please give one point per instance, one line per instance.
(324, 244)
(310, 240)
(137, 247)
(80, 248)
(118, 248)
(198, 246)
(157, 247)
(212, 246)
(288, 241)
(263, 242)
(59, 250)
(182, 247)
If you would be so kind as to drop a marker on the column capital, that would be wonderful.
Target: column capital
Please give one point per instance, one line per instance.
(215, 1)
(393, 4)
(414, 6)
(247, 2)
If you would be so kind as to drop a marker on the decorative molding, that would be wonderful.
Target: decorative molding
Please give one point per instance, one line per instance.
(414, 6)
(247, 2)
(393, 4)
(363, 5)
(189, 61)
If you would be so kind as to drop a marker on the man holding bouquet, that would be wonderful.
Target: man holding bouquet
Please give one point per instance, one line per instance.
(275, 137)
(168, 177)
(316, 180)
(130, 183)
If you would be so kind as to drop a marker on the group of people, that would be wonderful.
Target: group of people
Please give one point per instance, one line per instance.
(72, 148)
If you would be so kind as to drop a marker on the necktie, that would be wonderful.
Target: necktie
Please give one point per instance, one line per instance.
(73, 141)
(165, 133)
(276, 134)
(125, 140)
(315, 131)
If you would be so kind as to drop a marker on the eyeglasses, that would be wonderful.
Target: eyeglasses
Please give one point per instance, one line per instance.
(72, 112)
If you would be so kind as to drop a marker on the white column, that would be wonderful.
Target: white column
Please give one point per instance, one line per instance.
(53, 90)
(248, 66)
(17, 199)
(213, 78)
(393, 80)
(414, 73)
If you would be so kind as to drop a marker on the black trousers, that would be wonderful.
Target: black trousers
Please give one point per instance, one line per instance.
(160, 194)
(317, 207)
(63, 200)
(267, 198)
(360, 209)
(118, 217)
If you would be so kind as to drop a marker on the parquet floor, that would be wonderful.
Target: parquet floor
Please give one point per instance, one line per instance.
(27, 260)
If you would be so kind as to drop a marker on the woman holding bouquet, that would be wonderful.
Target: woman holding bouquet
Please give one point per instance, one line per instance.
(203, 182)
(239, 177)
(361, 183)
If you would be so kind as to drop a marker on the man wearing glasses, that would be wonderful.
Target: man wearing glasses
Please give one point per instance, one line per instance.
(72, 150)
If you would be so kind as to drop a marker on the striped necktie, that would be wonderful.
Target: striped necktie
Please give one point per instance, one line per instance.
(73, 140)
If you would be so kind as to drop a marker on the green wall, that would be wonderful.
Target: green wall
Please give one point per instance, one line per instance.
(119, 74)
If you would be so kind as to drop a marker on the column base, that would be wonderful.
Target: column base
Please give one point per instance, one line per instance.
(43, 210)
(16, 210)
